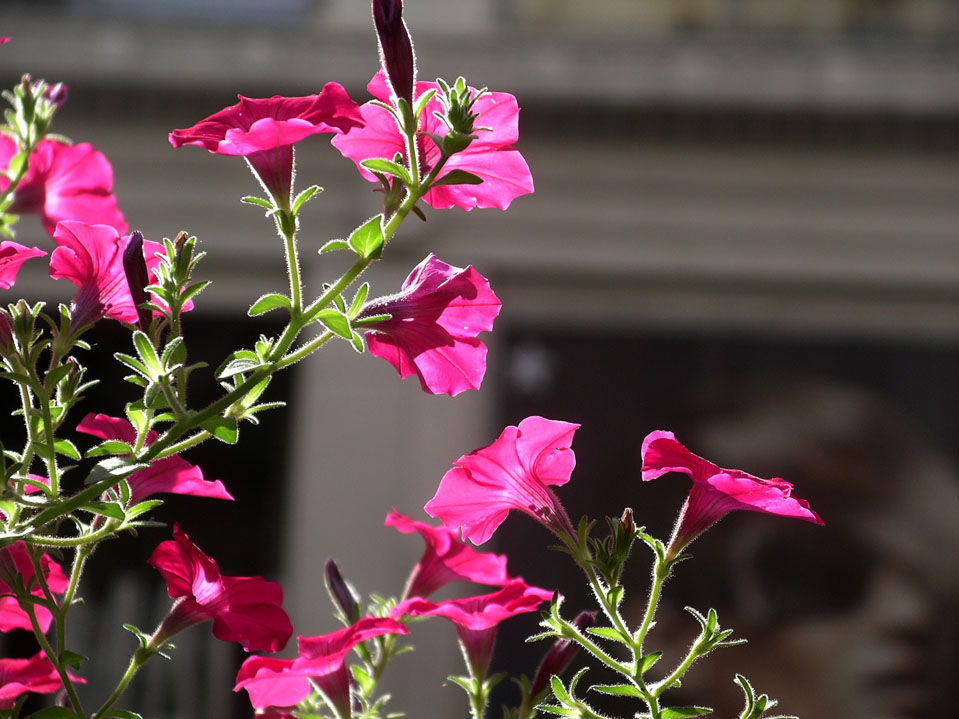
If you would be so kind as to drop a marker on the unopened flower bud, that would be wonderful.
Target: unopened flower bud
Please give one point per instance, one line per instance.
(56, 94)
(626, 523)
(558, 658)
(135, 269)
(342, 594)
(396, 48)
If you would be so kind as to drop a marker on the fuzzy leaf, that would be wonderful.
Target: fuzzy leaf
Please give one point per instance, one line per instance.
(269, 302)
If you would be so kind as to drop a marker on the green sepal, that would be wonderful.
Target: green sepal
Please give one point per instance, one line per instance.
(258, 201)
(107, 509)
(367, 240)
(223, 428)
(388, 167)
(269, 302)
(621, 690)
(17, 163)
(336, 322)
(305, 196)
(458, 177)
(334, 245)
(681, 712)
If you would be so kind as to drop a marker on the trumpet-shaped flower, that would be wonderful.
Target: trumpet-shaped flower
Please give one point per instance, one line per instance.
(243, 609)
(172, 474)
(15, 565)
(63, 182)
(716, 491)
(476, 618)
(264, 129)
(491, 157)
(515, 472)
(434, 322)
(446, 559)
(12, 255)
(91, 257)
(36, 674)
(286, 682)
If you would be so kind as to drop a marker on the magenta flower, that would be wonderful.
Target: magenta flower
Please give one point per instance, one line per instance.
(285, 682)
(14, 563)
(12, 255)
(446, 559)
(171, 475)
(476, 618)
(243, 609)
(515, 472)
(36, 674)
(63, 182)
(264, 130)
(434, 322)
(715, 491)
(490, 156)
(91, 257)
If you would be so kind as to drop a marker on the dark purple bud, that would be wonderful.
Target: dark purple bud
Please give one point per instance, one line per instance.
(396, 48)
(558, 657)
(56, 94)
(627, 523)
(341, 592)
(135, 269)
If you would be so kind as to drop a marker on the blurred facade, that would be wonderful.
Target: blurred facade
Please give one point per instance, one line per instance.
(707, 171)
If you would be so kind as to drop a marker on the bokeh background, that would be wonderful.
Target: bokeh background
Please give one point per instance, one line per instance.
(744, 229)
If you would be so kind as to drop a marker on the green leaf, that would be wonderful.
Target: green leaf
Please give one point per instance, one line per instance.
(72, 659)
(358, 299)
(223, 428)
(367, 239)
(133, 363)
(621, 690)
(17, 163)
(334, 245)
(680, 712)
(308, 194)
(258, 201)
(54, 713)
(458, 177)
(269, 302)
(237, 366)
(387, 167)
(646, 663)
(142, 507)
(147, 352)
(120, 714)
(66, 448)
(115, 468)
(357, 342)
(54, 376)
(606, 633)
(107, 509)
(337, 322)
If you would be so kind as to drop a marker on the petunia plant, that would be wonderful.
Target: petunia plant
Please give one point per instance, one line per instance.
(428, 146)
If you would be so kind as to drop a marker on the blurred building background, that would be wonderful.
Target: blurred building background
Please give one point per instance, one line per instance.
(724, 188)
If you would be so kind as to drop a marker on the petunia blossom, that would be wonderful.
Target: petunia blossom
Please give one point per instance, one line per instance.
(12, 255)
(715, 491)
(35, 674)
(91, 257)
(15, 564)
(446, 559)
(502, 169)
(476, 618)
(243, 609)
(286, 682)
(264, 129)
(515, 472)
(63, 182)
(172, 474)
(435, 320)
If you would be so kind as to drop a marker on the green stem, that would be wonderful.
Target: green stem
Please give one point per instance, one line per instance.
(293, 267)
(138, 659)
(659, 687)
(78, 541)
(660, 572)
(49, 436)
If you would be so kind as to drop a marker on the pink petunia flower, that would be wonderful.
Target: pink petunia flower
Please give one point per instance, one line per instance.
(286, 682)
(172, 475)
(12, 255)
(264, 130)
(36, 674)
(515, 472)
(243, 609)
(91, 257)
(490, 156)
(63, 182)
(4, 40)
(446, 559)
(715, 491)
(476, 618)
(15, 563)
(433, 330)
